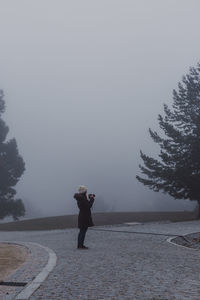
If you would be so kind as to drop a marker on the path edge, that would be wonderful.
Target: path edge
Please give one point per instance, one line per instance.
(169, 240)
(27, 292)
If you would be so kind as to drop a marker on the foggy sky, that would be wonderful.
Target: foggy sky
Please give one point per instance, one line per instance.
(83, 82)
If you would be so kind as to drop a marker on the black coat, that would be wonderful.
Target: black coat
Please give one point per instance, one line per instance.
(84, 217)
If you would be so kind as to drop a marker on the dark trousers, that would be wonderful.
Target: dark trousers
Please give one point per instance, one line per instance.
(81, 236)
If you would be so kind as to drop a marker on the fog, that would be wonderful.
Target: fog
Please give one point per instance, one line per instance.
(83, 82)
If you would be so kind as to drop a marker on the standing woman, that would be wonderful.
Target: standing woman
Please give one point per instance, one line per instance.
(84, 218)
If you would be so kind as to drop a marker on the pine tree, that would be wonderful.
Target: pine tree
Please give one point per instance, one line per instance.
(12, 167)
(177, 170)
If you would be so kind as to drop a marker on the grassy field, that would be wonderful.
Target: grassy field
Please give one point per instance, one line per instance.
(70, 221)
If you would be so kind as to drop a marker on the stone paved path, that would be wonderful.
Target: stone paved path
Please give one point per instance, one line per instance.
(119, 265)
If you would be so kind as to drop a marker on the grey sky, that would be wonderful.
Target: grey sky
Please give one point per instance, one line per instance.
(83, 82)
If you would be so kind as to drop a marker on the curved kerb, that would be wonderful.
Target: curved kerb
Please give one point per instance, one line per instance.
(169, 240)
(35, 284)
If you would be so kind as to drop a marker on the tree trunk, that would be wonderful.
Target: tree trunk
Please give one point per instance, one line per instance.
(198, 209)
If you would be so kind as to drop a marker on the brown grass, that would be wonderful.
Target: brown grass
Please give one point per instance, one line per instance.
(70, 221)
(11, 258)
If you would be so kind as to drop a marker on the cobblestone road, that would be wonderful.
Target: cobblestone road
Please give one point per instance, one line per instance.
(119, 265)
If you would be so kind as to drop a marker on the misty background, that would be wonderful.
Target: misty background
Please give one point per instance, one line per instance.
(83, 82)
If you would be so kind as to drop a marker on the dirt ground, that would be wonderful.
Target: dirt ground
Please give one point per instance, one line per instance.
(11, 258)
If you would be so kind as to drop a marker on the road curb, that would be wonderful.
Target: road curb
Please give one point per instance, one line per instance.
(169, 240)
(26, 293)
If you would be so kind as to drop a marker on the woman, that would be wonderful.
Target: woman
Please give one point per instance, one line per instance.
(84, 218)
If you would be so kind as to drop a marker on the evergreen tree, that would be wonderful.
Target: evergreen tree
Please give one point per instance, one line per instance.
(11, 168)
(177, 171)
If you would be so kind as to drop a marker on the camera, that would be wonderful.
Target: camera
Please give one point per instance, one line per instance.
(91, 195)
